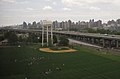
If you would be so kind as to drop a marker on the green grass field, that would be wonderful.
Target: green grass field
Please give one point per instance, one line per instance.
(30, 63)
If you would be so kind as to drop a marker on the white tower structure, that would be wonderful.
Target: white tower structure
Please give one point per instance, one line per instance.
(46, 25)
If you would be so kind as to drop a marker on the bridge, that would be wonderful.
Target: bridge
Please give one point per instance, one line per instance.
(111, 41)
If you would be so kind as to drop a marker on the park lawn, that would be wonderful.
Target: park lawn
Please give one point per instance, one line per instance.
(28, 62)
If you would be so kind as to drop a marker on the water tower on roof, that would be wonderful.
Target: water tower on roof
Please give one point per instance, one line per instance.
(47, 27)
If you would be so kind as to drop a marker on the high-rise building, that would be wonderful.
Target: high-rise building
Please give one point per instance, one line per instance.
(55, 24)
(91, 23)
(24, 25)
(118, 21)
(34, 25)
(69, 24)
(66, 26)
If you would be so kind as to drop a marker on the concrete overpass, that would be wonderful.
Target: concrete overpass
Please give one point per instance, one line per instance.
(93, 38)
(111, 41)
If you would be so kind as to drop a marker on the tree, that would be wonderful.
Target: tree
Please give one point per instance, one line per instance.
(12, 37)
(1, 38)
(90, 30)
(54, 39)
(20, 39)
(33, 38)
(49, 42)
(63, 41)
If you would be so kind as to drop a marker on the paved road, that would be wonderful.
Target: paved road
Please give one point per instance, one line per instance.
(83, 43)
(90, 34)
(113, 51)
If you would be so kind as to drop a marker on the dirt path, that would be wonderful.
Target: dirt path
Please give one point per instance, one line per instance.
(56, 51)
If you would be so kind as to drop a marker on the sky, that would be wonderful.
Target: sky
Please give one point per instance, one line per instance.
(16, 11)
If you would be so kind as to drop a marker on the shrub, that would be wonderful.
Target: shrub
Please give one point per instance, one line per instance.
(63, 41)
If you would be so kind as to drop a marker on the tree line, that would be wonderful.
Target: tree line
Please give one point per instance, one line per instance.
(30, 38)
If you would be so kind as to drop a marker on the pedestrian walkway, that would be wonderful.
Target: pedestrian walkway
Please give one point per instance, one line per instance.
(83, 43)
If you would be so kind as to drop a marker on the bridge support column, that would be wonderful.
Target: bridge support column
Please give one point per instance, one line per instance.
(76, 37)
(92, 40)
(110, 41)
(98, 41)
(81, 38)
(89, 40)
(84, 39)
(103, 42)
(117, 44)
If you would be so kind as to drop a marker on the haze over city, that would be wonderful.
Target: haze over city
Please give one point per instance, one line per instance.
(17, 11)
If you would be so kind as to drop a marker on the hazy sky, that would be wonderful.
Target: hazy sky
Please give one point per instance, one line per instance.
(17, 11)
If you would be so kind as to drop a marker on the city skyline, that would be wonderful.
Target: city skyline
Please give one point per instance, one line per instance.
(17, 11)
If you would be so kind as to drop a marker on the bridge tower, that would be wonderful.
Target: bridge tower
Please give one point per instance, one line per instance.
(47, 27)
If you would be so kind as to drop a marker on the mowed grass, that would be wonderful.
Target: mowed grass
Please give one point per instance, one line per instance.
(29, 62)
